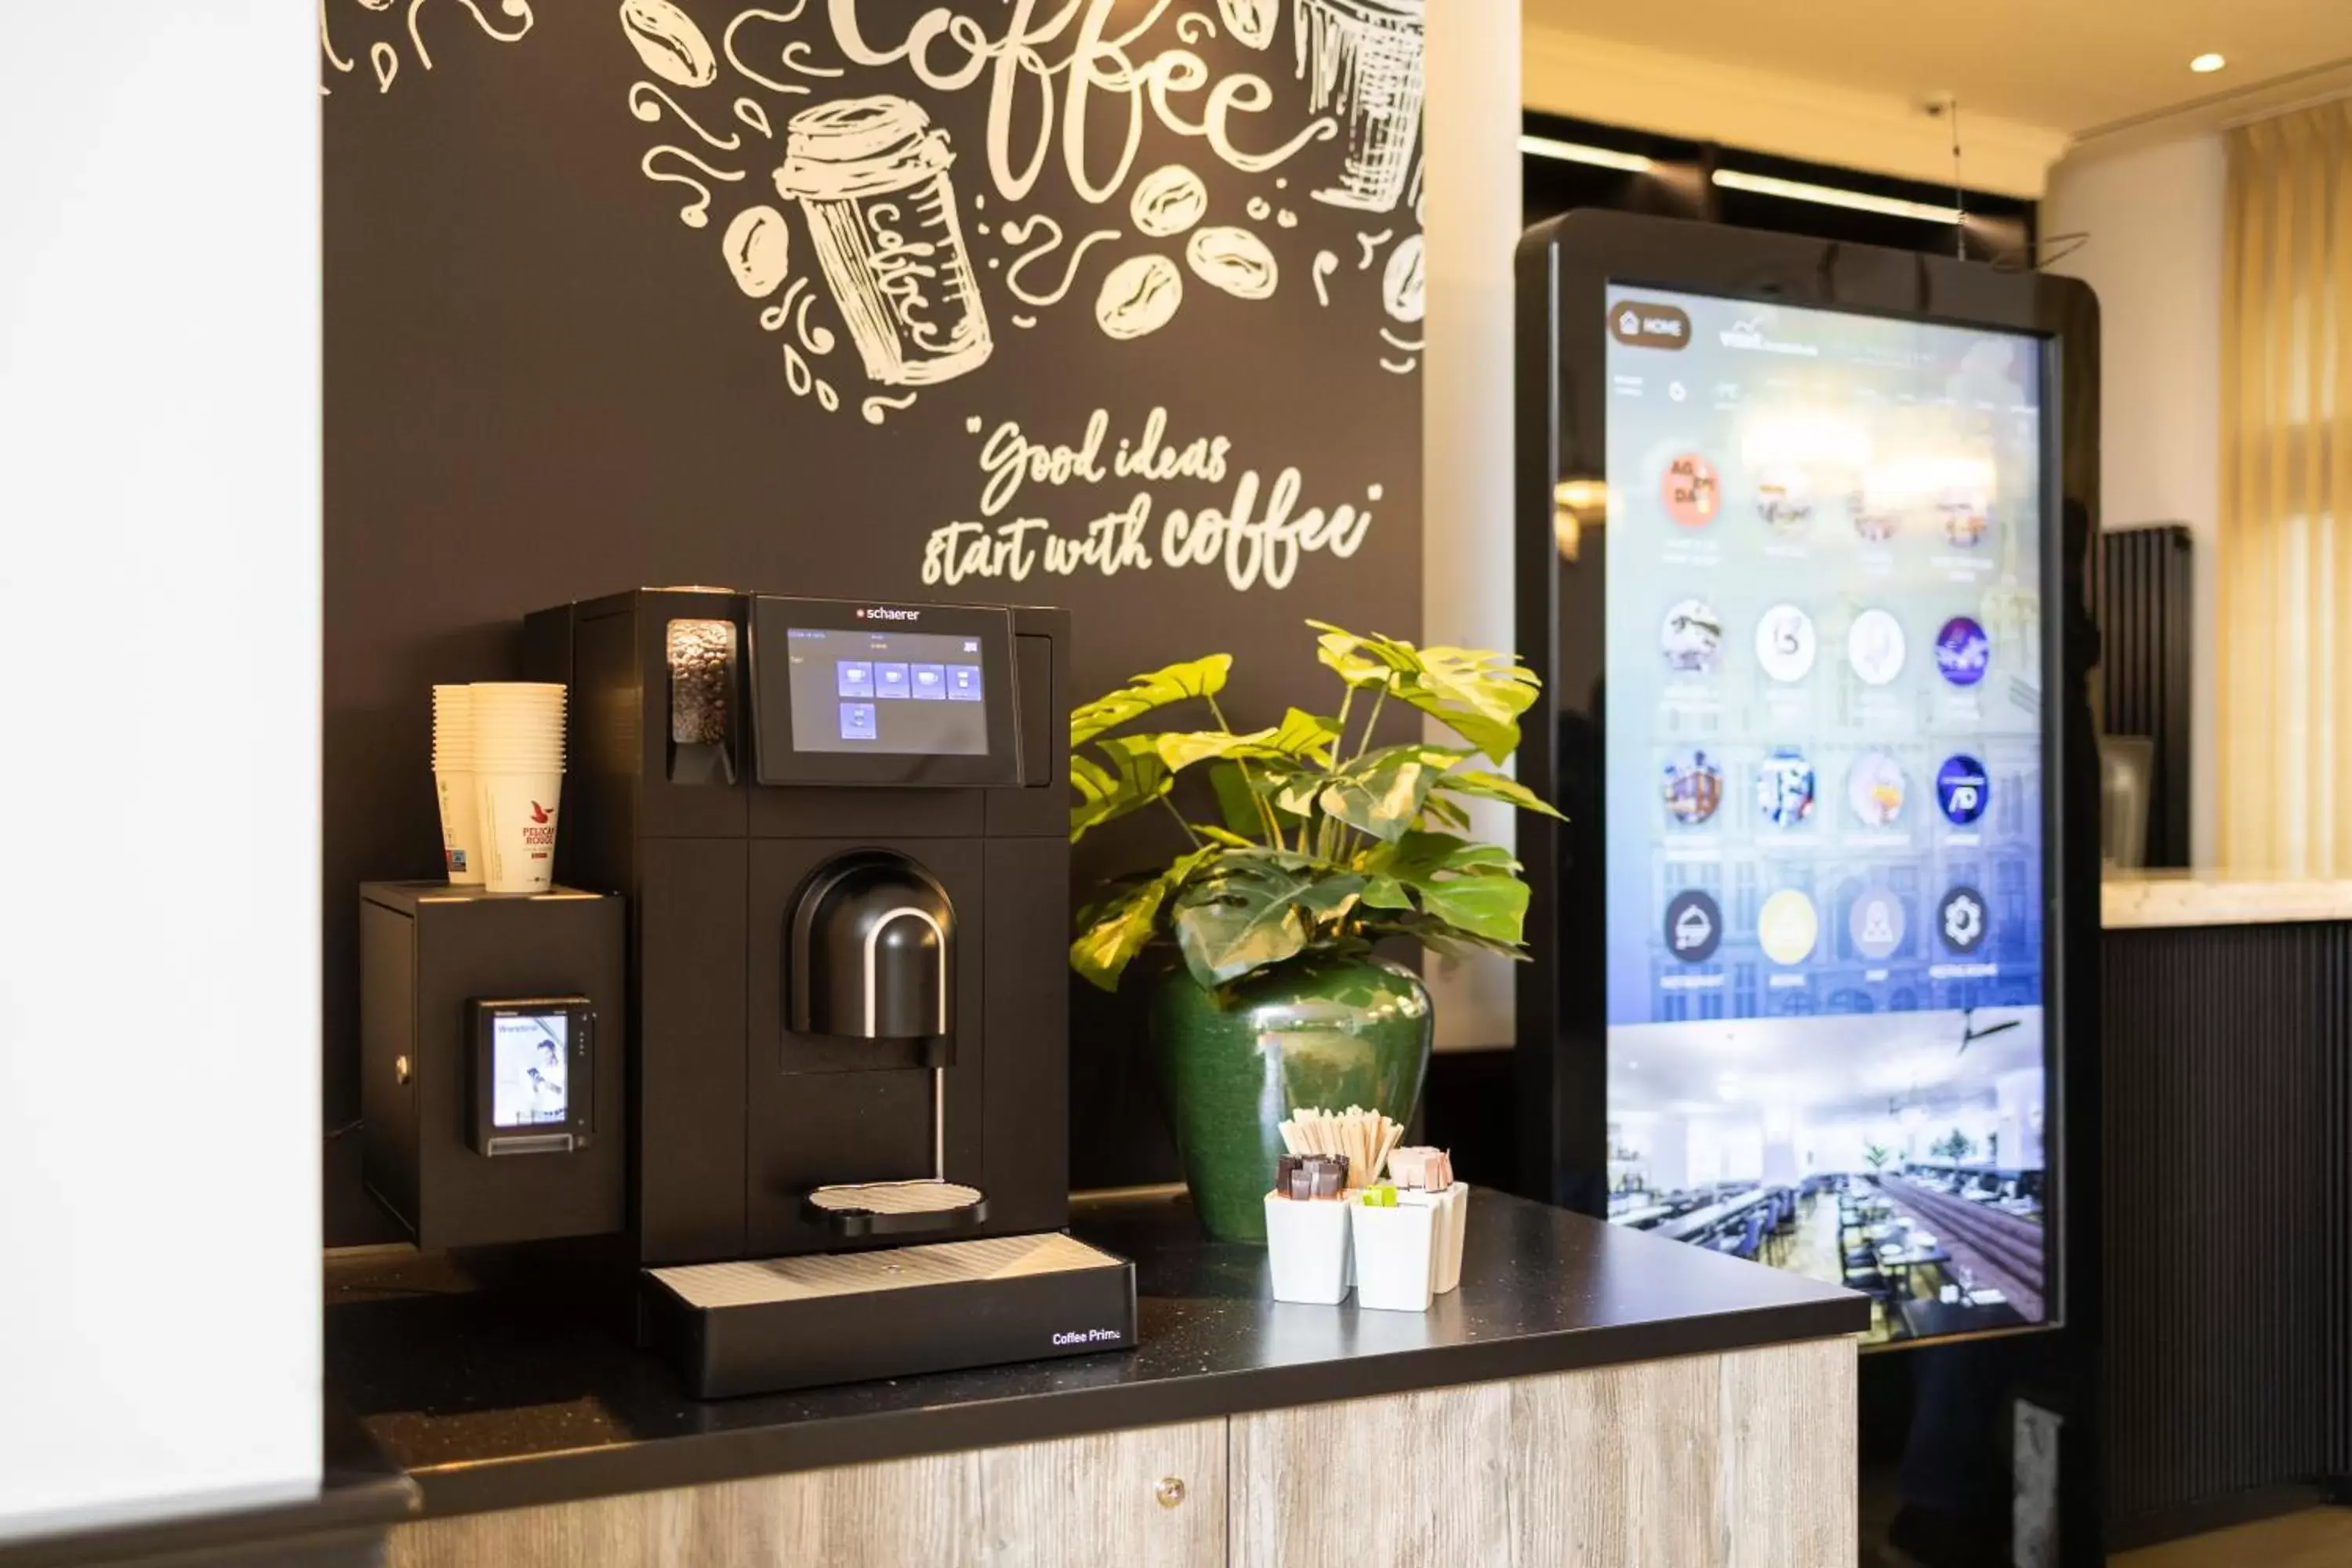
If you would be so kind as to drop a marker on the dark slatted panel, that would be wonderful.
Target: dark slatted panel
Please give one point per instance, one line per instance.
(2144, 611)
(2228, 1106)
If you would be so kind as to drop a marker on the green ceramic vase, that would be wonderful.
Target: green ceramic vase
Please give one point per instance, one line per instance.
(1234, 1064)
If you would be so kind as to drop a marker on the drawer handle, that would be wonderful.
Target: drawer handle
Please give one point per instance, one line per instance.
(1169, 1491)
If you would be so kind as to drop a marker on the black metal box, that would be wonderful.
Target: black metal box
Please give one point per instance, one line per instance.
(426, 951)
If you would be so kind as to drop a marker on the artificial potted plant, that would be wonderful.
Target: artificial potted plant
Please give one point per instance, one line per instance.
(1267, 995)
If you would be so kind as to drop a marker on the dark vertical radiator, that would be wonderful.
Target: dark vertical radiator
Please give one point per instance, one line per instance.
(2227, 1181)
(2144, 608)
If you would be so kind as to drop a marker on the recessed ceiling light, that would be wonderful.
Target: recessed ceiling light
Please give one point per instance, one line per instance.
(2204, 64)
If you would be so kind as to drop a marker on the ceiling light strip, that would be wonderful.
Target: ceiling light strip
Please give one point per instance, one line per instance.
(1831, 196)
(1578, 153)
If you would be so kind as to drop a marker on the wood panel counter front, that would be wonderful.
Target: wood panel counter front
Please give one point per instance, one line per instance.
(1588, 1397)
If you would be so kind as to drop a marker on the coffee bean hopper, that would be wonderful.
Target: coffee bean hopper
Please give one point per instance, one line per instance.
(842, 831)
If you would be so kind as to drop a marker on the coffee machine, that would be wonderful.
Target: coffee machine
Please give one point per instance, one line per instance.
(842, 831)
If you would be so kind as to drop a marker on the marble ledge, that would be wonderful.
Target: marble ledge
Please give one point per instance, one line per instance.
(2151, 899)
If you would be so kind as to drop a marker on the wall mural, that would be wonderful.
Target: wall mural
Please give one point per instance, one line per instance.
(1109, 304)
(887, 261)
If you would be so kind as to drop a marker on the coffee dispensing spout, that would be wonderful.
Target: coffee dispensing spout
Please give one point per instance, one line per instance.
(872, 958)
(873, 954)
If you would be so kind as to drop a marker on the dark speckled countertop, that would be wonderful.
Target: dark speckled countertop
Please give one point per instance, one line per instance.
(509, 1397)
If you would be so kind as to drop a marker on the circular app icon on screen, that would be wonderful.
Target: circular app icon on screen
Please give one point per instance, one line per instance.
(1694, 786)
(1692, 490)
(1784, 643)
(1784, 788)
(1962, 789)
(1787, 927)
(1962, 651)
(1875, 787)
(1962, 918)
(1875, 924)
(1965, 522)
(1874, 647)
(1874, 519)
(1692, 638)
(1694, 926)
(1784, 498)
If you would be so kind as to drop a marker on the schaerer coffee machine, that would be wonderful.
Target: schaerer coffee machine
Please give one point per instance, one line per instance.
(841, 828)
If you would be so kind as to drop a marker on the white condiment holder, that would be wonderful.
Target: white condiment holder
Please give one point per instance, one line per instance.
(1452, 1208)
(1309, 1248)
(1396, 1252)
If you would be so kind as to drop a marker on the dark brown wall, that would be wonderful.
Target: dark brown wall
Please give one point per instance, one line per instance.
(542, 385)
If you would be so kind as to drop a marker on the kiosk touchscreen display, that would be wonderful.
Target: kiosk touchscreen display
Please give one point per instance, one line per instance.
(529, 1070)
(1826, 655)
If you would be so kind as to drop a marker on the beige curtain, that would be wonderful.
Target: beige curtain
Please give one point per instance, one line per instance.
(2286, 497)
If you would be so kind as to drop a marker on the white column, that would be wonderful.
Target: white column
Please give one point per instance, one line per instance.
(1472, 221)
(2154, 220)
(159, 687)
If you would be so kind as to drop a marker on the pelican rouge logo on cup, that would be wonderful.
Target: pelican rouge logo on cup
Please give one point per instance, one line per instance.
(1643, 326)
(538, 832)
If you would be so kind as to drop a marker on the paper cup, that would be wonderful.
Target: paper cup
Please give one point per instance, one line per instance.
(518, 828)
(461, 826)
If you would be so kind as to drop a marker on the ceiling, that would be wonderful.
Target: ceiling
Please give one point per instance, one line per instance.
(2074, 67)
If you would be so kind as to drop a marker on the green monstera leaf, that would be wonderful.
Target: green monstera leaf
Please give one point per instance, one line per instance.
(1256, 908)
(1135, 777)
(1477, 693)
(1383, 792)
(1125, 927)
(1148, 693)
(1492, 905)
(1495, 786)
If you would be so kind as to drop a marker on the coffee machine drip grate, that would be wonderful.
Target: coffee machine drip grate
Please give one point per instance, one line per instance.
(897, 1208)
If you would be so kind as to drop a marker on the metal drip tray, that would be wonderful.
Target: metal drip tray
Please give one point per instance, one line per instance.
(762, 1326)
(897, 1208)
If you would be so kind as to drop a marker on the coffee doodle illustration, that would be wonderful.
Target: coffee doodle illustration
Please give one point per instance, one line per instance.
(1251, 21)
(384, 55)
(872, 178)
(916, 268)
(1362, 58)
(807, 139)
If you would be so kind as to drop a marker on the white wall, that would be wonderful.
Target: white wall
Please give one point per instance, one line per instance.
(2154, 215)
(159, 687)
(1472, 224)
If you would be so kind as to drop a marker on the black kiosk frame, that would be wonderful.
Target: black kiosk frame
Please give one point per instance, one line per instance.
(1565, 269)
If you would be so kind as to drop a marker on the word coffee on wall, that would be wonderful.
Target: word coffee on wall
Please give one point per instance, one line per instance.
(1256, 536)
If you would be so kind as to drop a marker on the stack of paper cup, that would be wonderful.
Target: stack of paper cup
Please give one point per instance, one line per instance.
(453, 782)
(519, 781)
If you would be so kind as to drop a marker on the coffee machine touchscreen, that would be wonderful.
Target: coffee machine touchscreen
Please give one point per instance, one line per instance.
(920, 693)
(529, 1073)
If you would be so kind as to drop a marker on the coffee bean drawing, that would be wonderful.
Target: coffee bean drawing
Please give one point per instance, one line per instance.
(1141, 296)
(1403, 290)
(1234, 260)
(759, 251)
(669, 43)
(1167, 201)
(1251, 21)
